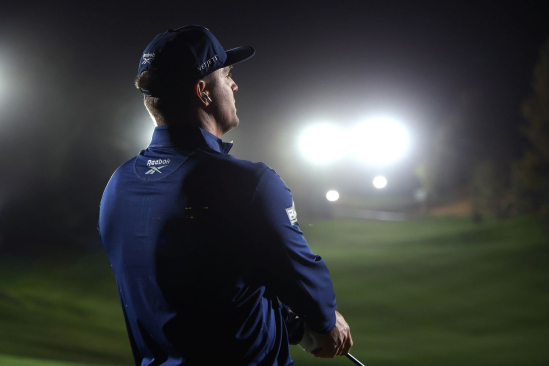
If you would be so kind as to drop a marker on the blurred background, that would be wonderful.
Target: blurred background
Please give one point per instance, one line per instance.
(414, 137)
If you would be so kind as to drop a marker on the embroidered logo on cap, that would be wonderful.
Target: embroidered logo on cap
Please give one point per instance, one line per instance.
(208, 63)
(147, 58)
(292, 214)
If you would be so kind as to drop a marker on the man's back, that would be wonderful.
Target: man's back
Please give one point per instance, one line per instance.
(194, 264)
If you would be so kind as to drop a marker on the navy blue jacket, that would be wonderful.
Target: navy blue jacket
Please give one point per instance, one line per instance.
(203, 246)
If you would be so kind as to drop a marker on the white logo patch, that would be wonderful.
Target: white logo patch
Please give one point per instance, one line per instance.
(155, 169)
(147, 58)
(208, 63)
(158, 162)
(292, 214)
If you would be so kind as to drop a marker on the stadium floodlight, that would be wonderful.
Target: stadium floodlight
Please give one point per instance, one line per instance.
(323, 143)
(380, 182)
(379, 140)
(332, 195)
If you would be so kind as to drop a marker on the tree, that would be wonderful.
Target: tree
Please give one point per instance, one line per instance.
(531, 172)
(451, 152)
(488, 190)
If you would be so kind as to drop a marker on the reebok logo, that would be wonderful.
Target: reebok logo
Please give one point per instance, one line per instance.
(147, 58)
(156, 169)
(158, 162)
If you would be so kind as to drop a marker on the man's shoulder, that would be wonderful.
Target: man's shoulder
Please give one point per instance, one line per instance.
(123, 169)
(126, 167)
(228, 163)
(207, 163)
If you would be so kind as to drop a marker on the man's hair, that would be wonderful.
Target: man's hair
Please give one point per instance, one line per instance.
(166, 110)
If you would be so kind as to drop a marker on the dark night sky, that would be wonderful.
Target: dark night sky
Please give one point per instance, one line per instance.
(69, 112)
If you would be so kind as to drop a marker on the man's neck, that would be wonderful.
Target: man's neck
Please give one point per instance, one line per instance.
(207, 123)
(204, 121)
(211, 127)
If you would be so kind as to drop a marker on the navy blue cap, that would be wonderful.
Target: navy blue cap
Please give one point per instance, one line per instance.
(187, 54)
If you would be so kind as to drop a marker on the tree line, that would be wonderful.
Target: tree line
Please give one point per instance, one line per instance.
(496, 183)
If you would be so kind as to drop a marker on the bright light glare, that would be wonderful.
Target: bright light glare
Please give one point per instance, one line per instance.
(332, 195)
(379, 141)
(3, 79)
(380, 182)
(323, 143)
(146, 129)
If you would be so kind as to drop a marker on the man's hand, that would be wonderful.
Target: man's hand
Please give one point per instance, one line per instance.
(337, 342)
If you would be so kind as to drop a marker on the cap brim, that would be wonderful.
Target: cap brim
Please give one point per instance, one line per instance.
(238, 54)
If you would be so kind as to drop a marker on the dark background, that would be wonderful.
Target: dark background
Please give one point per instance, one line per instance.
(70, 114)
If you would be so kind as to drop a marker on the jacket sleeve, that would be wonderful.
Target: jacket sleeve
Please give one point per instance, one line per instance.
(299, 278)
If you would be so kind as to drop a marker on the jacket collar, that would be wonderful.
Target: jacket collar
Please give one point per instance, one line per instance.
(193, 137)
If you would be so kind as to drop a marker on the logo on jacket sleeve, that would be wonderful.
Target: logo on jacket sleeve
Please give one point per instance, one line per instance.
(292, 214)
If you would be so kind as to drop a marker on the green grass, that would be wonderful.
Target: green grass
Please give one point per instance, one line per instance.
(64, 310)
(435, 292)
(379, 202)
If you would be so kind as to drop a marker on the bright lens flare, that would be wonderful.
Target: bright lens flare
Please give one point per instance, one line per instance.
(146, 128)
(323, 143)
(332, 195)
(380, 141)
(380, 182)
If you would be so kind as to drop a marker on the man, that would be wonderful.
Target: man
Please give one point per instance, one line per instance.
(203, 245)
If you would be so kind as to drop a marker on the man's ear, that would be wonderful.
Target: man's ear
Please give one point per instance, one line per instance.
(199, 88)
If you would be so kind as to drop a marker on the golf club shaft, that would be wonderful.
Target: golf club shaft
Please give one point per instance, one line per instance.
(355, 361)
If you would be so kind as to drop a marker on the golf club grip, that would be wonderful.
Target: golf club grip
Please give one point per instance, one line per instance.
(355, 361)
